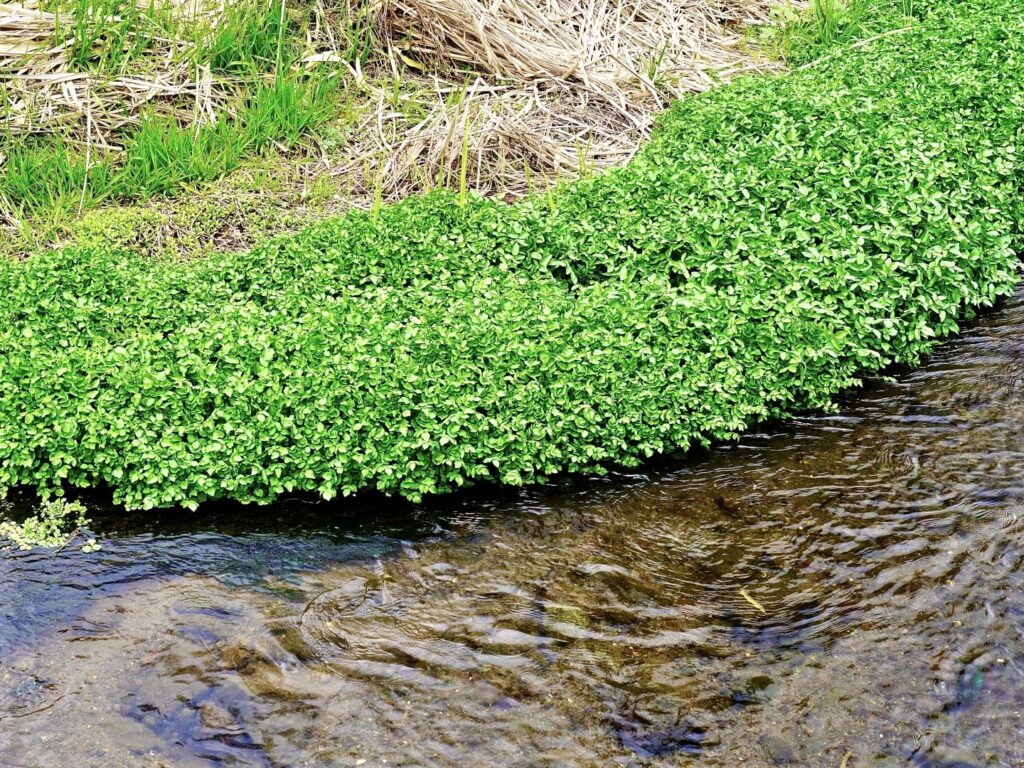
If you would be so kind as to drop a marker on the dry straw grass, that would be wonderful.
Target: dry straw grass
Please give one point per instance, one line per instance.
(42, 91)
(555, 87)
(502, 96)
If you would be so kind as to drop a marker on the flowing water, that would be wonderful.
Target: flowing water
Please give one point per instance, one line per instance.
(840, 590)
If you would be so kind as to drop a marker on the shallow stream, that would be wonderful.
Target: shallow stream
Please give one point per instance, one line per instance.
(839, 590)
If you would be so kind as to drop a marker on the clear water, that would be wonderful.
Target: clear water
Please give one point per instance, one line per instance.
(842, 587)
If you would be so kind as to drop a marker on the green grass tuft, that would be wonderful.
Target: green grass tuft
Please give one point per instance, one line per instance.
(48, 178)
(250, 37)
(265, 100)
(801, 35)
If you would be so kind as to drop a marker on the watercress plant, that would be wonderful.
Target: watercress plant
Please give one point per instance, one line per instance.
(777, 240)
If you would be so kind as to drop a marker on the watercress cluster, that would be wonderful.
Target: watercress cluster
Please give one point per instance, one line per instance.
(778, 239)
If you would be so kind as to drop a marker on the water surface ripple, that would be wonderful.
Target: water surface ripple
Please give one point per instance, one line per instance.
(846, 586)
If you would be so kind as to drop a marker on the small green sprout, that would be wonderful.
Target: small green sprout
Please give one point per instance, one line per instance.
(91, 546)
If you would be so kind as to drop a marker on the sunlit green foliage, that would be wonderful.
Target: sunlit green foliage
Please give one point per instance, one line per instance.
(777, 240)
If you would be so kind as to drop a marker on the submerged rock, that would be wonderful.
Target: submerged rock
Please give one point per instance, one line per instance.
(944, 756)
(778, 749)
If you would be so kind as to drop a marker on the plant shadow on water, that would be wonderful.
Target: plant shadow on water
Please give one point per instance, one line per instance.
(846, 585)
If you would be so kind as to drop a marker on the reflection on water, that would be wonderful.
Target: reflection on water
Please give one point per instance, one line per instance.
(845, 587)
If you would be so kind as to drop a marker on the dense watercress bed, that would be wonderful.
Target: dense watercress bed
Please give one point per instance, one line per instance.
(778, 239)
